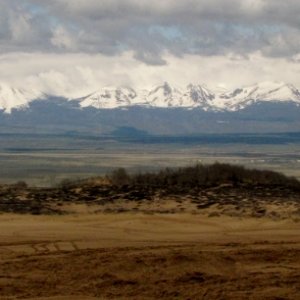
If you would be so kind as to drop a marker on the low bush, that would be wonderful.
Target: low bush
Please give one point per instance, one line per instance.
(202, 175)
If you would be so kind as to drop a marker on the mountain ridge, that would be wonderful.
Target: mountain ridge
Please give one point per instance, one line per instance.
(163, 96)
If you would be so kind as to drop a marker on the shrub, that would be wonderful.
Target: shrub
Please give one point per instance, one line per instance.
(202, 175)
(20, 185)
(119, 177)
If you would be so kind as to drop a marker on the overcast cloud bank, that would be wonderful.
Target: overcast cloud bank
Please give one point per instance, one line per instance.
(60, 45)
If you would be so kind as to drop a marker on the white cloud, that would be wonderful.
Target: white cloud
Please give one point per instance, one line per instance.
(76, 75)
(20, 28)
(72, 47)
(62, 38)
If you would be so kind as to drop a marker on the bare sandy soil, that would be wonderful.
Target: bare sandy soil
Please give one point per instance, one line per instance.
(142, 256)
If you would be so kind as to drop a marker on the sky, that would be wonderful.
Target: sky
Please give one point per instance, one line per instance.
(74, 47)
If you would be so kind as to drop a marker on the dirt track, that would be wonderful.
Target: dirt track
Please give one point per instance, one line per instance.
(136, 256)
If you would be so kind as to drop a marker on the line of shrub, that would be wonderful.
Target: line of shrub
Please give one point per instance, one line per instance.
(202, 175)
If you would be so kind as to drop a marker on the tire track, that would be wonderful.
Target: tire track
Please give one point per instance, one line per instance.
(39, 248)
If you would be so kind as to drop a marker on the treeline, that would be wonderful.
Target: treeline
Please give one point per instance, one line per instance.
(202, 176)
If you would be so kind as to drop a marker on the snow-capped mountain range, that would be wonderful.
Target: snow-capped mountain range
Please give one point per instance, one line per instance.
(163, 96)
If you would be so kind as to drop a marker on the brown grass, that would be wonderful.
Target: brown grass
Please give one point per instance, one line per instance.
(148, 257)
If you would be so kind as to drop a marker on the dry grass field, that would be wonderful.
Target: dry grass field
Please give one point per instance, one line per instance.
(218, 232)
(142, 256)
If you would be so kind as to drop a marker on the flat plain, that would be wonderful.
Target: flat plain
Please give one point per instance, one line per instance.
(46, 160)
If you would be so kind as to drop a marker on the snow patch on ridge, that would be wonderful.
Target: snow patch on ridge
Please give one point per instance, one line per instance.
(260, 92)
(16, 98)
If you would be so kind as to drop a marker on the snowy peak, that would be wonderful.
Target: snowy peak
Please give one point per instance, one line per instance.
(110, 97)
(261, 92)
(168, 96)
(273, 91)
(162, 96)
(269, 91)
(15, 98)
(200, 95)
(165, 96)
